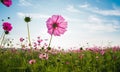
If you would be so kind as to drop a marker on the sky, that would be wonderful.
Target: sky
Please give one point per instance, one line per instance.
(90, 22)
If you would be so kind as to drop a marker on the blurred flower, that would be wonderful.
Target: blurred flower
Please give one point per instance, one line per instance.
(81, 56)
(114, 57)
(7, 3)
(13, 50)
(38, 37)
(27, 19)
(43, 56)
(102, 52)
(115, 48)
(7, 26)
(32, 61)
(21, 39)
(39, 41)
(56, 25)
(35, 44)
(23, 46)
(67, 63)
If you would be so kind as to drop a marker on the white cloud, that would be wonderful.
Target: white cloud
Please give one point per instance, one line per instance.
(33, 15)
(96, 24)
(101, 27)
(71, 8)
(25, 3)
(20, 14)
(86, 5)
(108, 12)
(113, 12)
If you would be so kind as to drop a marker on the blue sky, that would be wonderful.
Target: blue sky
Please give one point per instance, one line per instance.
(95, 22)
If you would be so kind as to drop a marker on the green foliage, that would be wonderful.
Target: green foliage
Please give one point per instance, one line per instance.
(14, 60)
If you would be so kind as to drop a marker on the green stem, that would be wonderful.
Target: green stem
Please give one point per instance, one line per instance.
(50, 40)
(2, 39)
(1, 36)
(29, 36)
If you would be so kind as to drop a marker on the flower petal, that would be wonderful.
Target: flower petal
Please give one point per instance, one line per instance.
(54, 18)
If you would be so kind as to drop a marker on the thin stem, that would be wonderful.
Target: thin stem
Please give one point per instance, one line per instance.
(50, 40)
(2, 40)
(1, 36)
(29, 36)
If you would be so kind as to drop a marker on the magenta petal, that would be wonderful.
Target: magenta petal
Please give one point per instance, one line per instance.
(50, 31)
(7, 26)
(56, 33)
(7, 3)
(61, 30)
(49, 26)
(49, 21)
(60, 19)
(54, 18)
(63, 25)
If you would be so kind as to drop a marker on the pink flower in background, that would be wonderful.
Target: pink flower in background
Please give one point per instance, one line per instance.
(56, 25)
(35, 44)
(7, 3)
(115, 48)
(22, 39)
(7, 26)
(32, 61)
(39, 41)
(38, 37)
(43, 56)
(102, 52)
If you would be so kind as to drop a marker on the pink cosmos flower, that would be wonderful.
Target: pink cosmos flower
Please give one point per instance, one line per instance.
(35, 44)
(56, 25)
(7, 26)
(38, 37)
(116, 48)
(32, 61)
(102, 52)
(39, 41)
(43, 56)
(7, 3)
(21, 39)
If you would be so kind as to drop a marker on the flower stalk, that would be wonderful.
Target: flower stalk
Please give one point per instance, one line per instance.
(50, 40)
(29, 36)
(28, 19)
(1, 36)
(2, 40)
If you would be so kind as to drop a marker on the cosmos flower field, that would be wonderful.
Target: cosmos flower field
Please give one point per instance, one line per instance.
(92, 59)
(38, 56)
